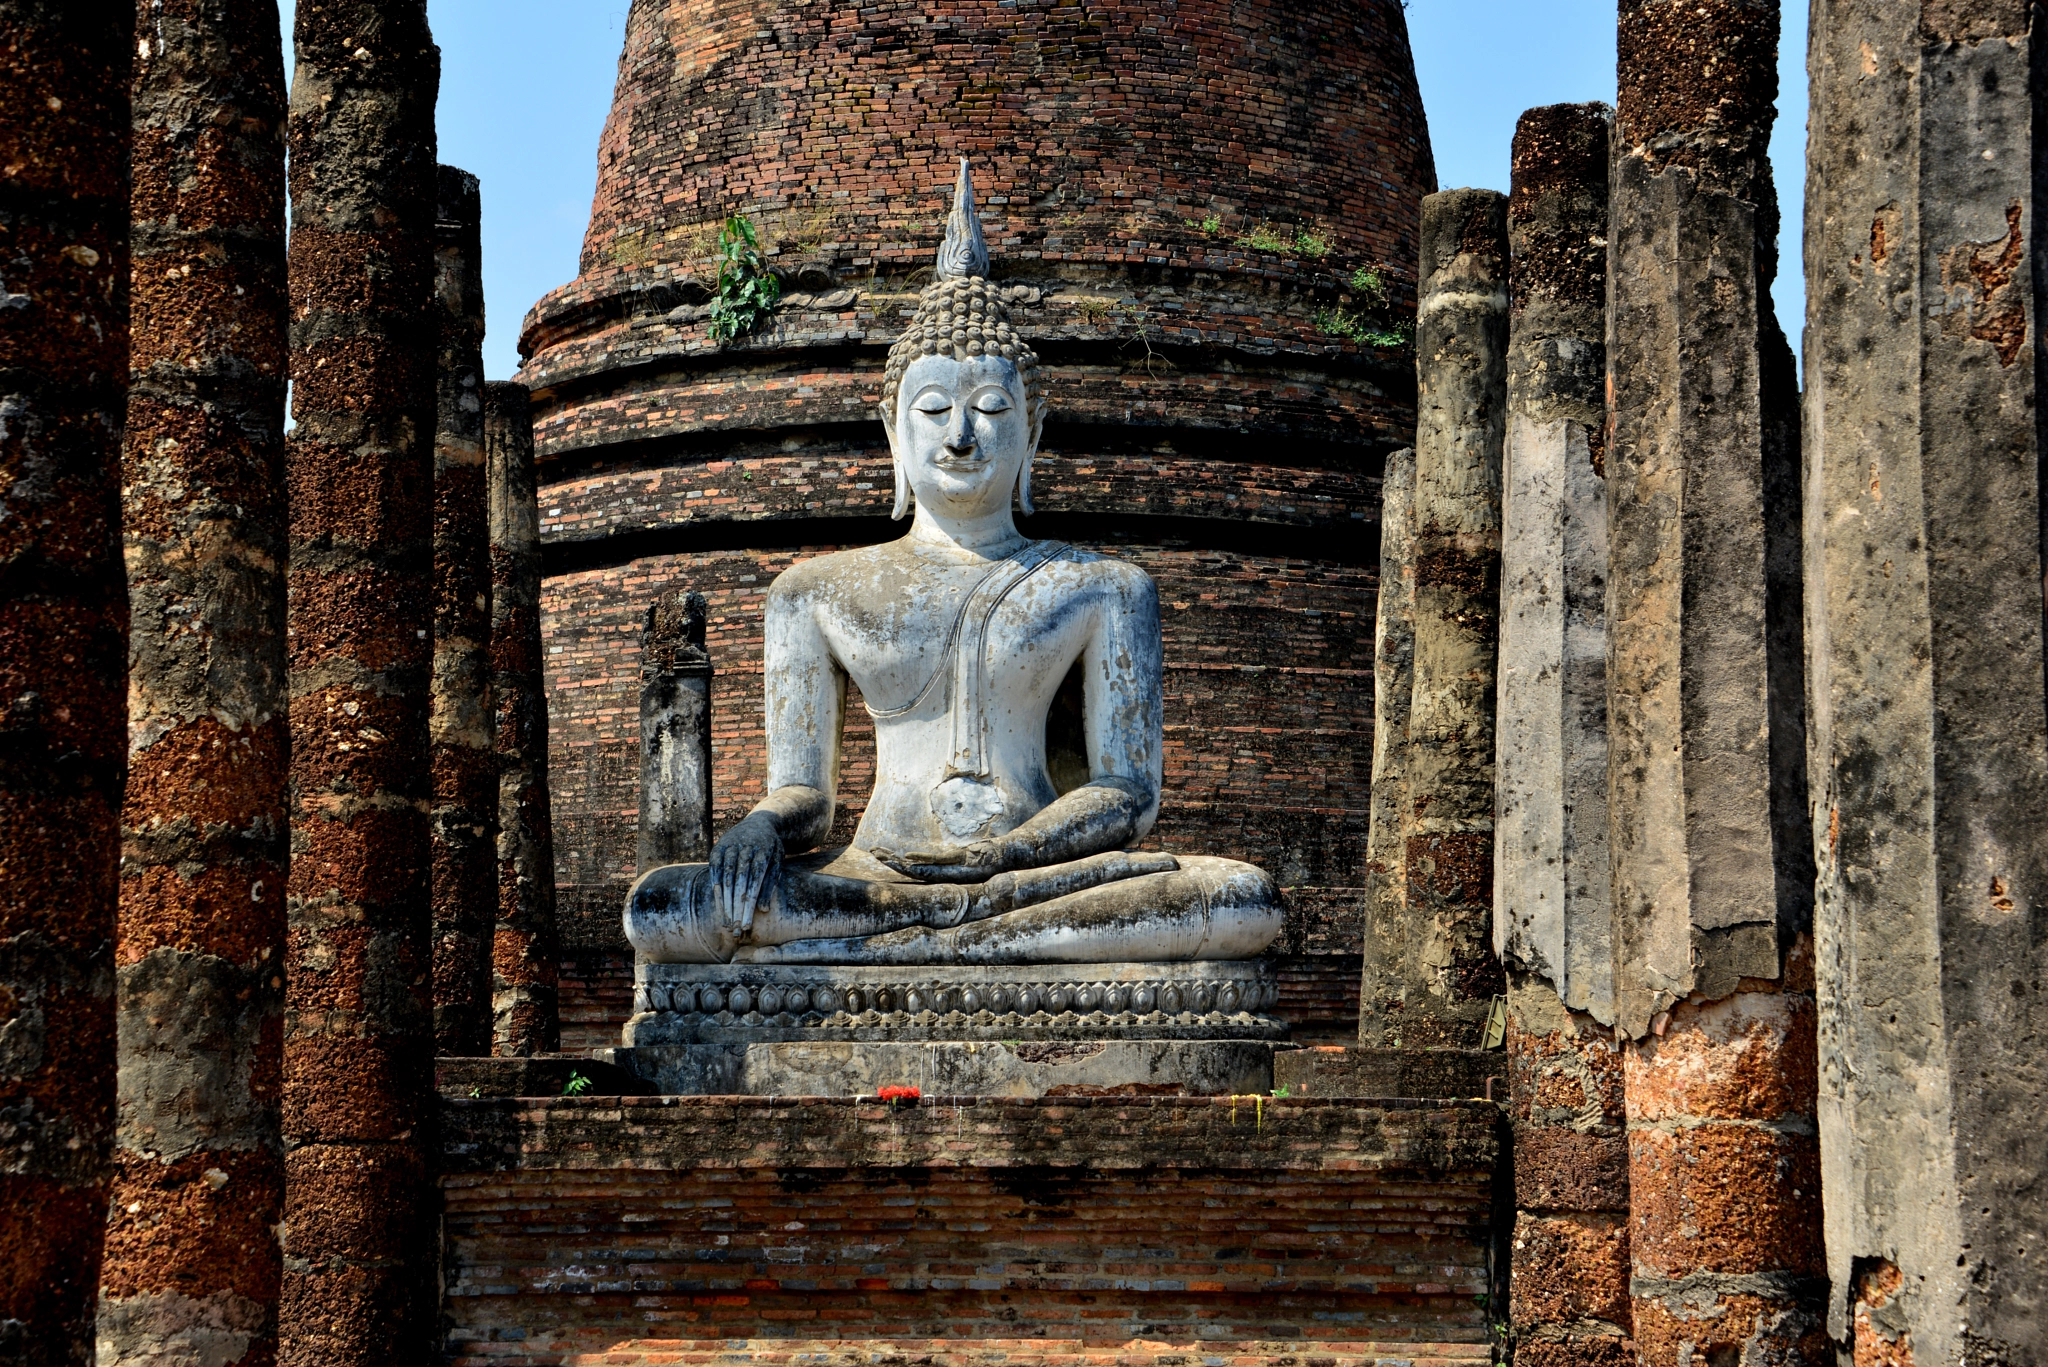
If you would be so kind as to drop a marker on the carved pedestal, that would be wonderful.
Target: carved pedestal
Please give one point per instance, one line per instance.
(1023, 1030)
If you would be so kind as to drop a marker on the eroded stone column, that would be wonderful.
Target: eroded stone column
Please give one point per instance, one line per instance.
(1929, 741)
(675, 733)
(359, 1240)
(1712, 980)
(64, 127)
(465, 813)
(523, 964)
(1569, 1302)
(1550, 852)
(1437, 988)
(1393, 681)
(193, 1262)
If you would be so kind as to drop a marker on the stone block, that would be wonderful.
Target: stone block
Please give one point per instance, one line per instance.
(1565, 1270)
(1045, 1068)
(1360, 1071)
(1562, 1169)
(539, 1075)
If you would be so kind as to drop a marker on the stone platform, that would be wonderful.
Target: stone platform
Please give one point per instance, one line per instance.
(1158, 1231)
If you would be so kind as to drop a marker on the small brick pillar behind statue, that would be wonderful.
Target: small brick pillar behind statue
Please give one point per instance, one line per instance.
(464, 820)
(675, 733)
(64, 128)
(359, 1239)
(523, 946)
(1386, 848)
(1713, 969)
(193, 1262)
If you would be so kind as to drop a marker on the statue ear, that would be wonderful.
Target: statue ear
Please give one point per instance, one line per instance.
(901, 509)
(1030, 455)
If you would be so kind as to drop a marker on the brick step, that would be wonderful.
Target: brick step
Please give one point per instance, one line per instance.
(980, 1353)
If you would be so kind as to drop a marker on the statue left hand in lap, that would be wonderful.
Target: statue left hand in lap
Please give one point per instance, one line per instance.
(959, 636)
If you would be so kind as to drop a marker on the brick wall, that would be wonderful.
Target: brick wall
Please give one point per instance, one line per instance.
(1099, 130)
(573, 1226)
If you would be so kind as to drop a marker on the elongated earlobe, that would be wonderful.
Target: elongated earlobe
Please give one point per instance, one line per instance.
(902, 508)
(1024, 486)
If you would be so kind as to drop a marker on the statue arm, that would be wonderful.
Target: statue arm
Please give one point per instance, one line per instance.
(1123, 721)
(806, 702)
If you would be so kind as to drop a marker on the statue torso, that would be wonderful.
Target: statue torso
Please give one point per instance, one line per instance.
(959, 680)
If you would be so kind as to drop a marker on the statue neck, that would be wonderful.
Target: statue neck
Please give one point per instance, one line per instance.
(988, 534)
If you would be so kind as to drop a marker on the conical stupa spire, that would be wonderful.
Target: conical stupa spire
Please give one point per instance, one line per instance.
(963, 255)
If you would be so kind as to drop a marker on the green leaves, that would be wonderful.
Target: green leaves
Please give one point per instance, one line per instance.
(1371, 322)
(747, 292)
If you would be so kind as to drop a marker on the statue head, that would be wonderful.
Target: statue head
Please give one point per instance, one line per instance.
(962, 399)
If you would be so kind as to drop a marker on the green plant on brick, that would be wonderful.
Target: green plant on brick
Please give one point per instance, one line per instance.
(1369, 321)
(746, 292)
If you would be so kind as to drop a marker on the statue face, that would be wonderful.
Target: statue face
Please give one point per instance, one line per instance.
(962, 433)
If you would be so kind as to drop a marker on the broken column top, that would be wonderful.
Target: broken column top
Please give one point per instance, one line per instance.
(1697, 85)
(1557, 192)
(675, 633)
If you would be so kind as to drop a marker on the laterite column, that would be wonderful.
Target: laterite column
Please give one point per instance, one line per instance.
(359, 1237)
(523, 970)
(1713, 970)
(1430, 978)
(1569, 1288)
(1393, 680)
(1930, 696)
(193, 1262)
(465, 815)
(64, 69)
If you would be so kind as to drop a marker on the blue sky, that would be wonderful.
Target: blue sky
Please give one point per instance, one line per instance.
(525, 85)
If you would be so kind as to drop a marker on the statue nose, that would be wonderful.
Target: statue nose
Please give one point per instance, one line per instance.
(959, 433)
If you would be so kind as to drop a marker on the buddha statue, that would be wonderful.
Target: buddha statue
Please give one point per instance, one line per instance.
(981, 844)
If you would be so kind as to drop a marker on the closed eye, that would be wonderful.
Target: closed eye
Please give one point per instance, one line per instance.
(992, 403)
(933, 407)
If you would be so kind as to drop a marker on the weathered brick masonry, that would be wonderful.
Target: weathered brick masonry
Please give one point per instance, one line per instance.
(464, 818)
(358, 1052)
(193, 1260)
(64, 127)
(523, 943)
(1202, 424)
(654, 1224)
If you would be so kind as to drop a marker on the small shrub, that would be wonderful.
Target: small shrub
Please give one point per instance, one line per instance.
(1365, 330)
(1264, 239)
(577, 1084)
(1370, 286)
(747, 291)
(1311, 245)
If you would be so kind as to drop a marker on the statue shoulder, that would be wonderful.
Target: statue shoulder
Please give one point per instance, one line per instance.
(1106, 573)
(808, 579)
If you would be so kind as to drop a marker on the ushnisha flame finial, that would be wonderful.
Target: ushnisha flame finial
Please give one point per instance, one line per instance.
(963, 255)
